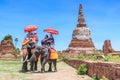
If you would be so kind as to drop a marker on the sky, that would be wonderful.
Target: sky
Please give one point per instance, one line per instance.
(102, 18)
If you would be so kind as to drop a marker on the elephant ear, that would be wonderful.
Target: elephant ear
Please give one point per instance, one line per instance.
(39, 48)
(32, 45)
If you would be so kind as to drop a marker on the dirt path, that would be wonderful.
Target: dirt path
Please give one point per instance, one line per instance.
(65, 72)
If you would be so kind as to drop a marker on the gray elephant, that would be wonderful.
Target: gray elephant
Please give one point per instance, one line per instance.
(33, 55)
(44, 52)
(27, 53)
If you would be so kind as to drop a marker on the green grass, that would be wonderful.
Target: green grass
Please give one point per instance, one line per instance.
(93, 57)
(9, 70)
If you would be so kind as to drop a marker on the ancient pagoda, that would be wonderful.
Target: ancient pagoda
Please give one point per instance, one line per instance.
(7, 47)
(81, 38)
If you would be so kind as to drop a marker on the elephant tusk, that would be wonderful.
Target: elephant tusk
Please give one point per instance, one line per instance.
(25, 59)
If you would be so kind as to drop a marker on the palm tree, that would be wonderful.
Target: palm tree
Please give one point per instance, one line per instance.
(16, 40)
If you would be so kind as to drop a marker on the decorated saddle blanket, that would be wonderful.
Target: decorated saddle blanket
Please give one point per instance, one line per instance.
(53, 54)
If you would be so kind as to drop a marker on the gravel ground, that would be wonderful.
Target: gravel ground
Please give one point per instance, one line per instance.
(65, 72)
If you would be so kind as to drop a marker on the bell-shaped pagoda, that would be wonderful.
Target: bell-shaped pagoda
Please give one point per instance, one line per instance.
(81, 38)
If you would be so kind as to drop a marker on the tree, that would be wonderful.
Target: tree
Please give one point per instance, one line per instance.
(16, 40)
(17, 50)
(7, 37)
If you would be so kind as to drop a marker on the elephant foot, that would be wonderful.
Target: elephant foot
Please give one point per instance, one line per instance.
(49, 70)
(35, 69)
(42, 70)
(31, 71)
(23, 71)
(55, 70)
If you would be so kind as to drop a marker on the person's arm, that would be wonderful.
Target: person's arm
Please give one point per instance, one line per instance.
(43, 40)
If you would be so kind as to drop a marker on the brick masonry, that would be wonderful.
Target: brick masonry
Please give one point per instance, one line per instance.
(7, 47)
(107, 69)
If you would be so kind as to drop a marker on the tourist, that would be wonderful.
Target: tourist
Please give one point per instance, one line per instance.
(51, 40)
(44, 42)
(35, 37)
(29, 35)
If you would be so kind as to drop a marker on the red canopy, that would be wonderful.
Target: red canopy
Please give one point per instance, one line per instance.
(30, 28)
(51, 31)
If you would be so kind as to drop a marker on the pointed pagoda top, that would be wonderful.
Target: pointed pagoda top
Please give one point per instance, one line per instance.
(81, 20)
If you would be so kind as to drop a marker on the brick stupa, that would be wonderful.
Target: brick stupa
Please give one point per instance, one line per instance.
(7, 47)
(81, 38)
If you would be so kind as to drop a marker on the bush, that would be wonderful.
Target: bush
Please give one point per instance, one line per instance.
(82, 69)
(17, 50)
(107, 58)
(93, 57)
(63, 56)
(116, 57)
(7, 37)
(81, 56)
(104, 78)
(94, 77)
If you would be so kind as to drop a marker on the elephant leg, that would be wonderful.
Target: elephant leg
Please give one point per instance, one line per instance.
(44, 61)
(55, 64)
(35, 68)
(24, 66)
(41, 61)
(32, 62)
(50, 66)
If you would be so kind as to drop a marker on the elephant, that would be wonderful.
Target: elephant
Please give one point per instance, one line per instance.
(27, 53)
(44, 53)
(33, 54)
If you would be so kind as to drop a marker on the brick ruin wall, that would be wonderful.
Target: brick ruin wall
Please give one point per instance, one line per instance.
(100, 69)
(6, 47)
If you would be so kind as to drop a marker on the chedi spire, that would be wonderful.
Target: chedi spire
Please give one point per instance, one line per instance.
(81, 38)
(81, 20)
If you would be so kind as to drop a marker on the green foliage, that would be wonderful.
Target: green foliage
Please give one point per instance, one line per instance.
(116, 57)
(82, 69)
(59, 52)
(7, 37)
(17, 50)
(63, 56)
(93, 57)
(101, 53)
(81, 56)
(16, 40)
(104, 78)
(100, 50)
(107, 58)
(94, 77)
